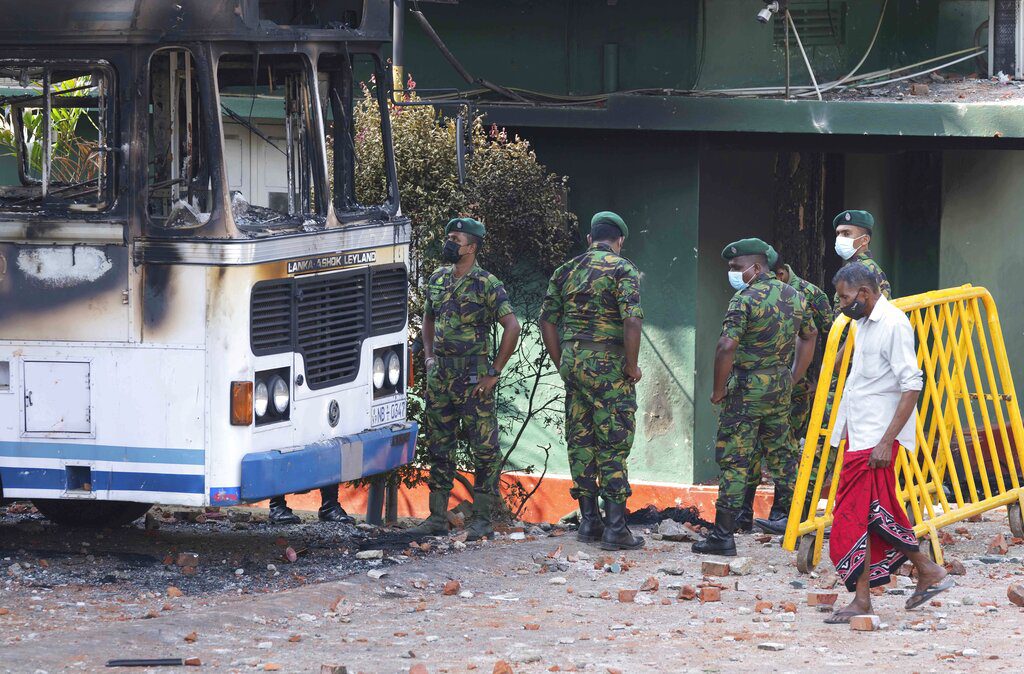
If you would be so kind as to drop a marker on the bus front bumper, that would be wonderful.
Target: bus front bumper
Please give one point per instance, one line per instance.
(331, 461)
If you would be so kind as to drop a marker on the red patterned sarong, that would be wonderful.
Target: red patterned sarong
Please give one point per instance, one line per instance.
(867, 505)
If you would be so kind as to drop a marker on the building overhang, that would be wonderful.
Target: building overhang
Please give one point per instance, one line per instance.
(757, 115)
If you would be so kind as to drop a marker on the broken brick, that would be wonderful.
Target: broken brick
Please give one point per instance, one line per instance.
(918, 89)
(822, 598)
(708, 594)
(955, 567)
(946, 539)
(1015, 593)
(627, 596)
(720, 569)
(452, 587)
(193, 662)
(295, 638)
(191, 637)
(788, 607)
(531, 627)
(650, 585)
(186, 559)
(418, 668)
(687, 592)
(998, 546)
(174, 592)
(502, 667)
(865, 623)
(762, 606)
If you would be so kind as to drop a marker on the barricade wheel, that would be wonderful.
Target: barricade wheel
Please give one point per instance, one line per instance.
(805, 554)
(91, 514)
(1016, 523)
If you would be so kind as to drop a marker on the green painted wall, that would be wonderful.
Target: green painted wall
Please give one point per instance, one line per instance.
(651, 180)
(982, 211)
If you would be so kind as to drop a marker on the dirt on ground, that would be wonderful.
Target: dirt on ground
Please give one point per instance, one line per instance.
(365, 599)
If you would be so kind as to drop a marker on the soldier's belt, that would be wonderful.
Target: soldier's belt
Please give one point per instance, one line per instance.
(762, 370)
(460, 362)
(608, 347)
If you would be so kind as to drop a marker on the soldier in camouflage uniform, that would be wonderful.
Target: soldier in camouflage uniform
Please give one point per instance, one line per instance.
(817, 306)
(853, 236)
(821, 313)
(754, 372)
(591, 322)
(462, 303)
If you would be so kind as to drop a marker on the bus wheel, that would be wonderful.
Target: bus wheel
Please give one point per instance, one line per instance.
(93, 514)
(1016, 521)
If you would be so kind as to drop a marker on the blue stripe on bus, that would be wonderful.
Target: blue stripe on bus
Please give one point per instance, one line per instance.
(79, 452)
(55, 478)
(266, 474)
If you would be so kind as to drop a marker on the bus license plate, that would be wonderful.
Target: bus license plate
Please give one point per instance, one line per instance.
(387, 413)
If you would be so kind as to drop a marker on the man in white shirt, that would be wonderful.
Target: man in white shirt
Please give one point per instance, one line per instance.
(871, 535)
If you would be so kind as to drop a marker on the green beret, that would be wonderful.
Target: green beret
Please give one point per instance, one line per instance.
(745, 247)
(467, 225)
(858, 218)
(609, 218)
(772, 255)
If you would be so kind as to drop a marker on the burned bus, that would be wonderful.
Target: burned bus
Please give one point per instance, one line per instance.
(196, 305)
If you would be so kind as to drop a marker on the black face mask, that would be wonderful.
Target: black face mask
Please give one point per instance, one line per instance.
(450, 252)
(854, 310)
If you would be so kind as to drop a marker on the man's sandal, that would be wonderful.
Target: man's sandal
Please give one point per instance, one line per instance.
(842, 617)
(924, 595)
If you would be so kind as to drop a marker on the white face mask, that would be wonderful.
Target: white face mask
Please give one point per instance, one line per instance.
(736, 278)
(844, 247)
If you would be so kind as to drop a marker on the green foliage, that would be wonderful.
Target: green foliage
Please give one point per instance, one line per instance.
(73, 157)
(529, 233)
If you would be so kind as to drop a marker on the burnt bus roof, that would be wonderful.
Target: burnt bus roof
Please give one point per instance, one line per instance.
(158, 21)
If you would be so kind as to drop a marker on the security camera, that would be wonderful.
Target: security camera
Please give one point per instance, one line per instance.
(766, 14)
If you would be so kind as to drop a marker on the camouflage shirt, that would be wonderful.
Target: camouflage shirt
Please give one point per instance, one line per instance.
(464, 309)
(590, 296)
(883, 282)
(817, 302)
(765, 318)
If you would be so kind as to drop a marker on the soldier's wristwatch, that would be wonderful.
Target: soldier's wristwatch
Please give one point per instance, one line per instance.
(491, 372)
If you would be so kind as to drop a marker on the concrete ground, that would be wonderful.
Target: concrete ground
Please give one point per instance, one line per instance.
(537, 604)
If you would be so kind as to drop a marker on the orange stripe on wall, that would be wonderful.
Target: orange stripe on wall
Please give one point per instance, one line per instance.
(550, 502)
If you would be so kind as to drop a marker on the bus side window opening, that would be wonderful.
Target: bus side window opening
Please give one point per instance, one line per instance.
(178, 166)
(357, 152)
(273, 146)
(56, 120)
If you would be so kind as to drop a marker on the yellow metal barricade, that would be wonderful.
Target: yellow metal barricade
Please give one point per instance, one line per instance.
(970, 439)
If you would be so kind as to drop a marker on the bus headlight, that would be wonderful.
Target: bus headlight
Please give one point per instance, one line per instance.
(394, 369)
(279, 394)
(261, 399)
(378, 372)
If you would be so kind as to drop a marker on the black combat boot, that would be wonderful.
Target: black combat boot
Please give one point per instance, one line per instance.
(745, 518)
(720, 540)
(480, 525)
(776, 522)
(617, 535)
(280, 513)
(437, 523)
(779, 515)
(591, 527)
(330, 509)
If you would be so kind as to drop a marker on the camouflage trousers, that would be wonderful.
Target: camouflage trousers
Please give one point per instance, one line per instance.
(600, 419)
(754, 427)
(799, 419)
(451, 410)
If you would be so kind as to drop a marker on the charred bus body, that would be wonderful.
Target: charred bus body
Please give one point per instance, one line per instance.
(196, 306)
